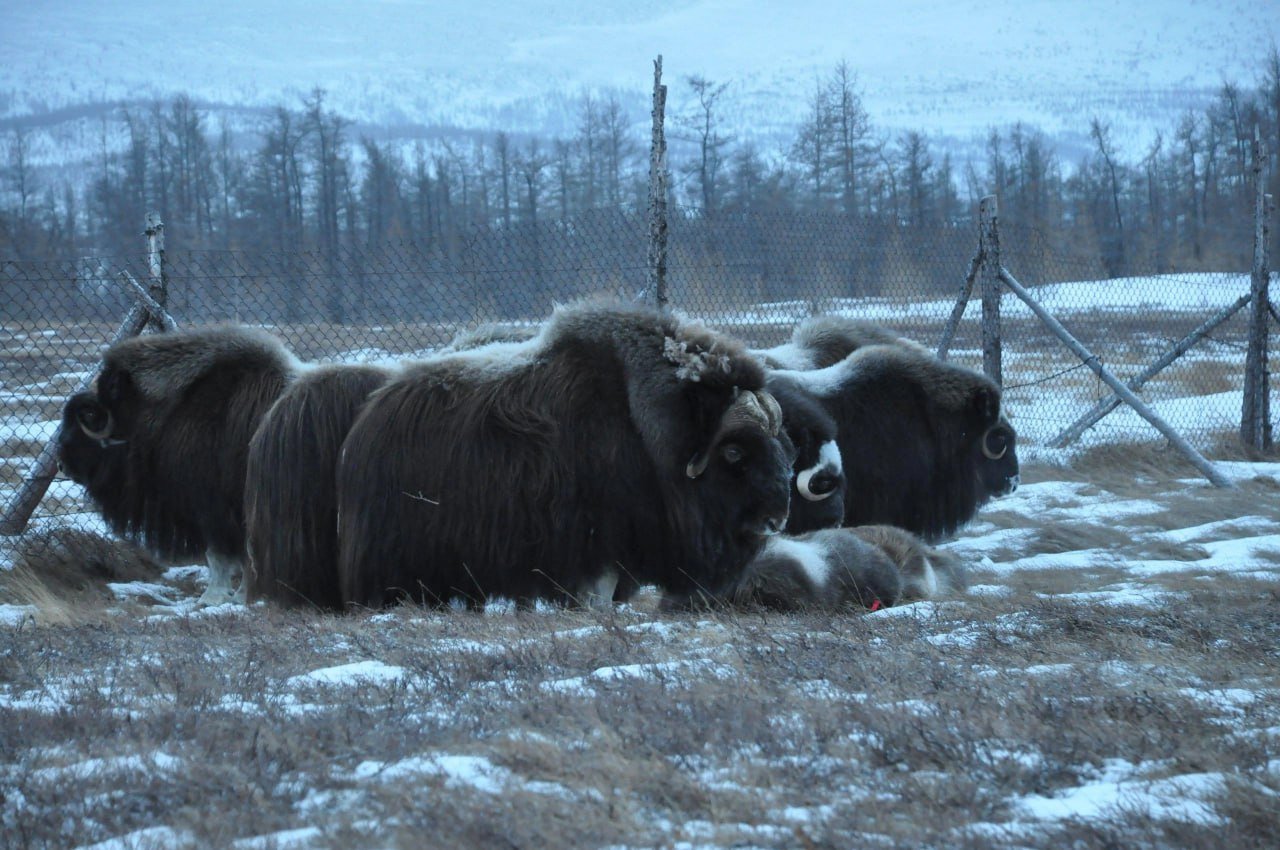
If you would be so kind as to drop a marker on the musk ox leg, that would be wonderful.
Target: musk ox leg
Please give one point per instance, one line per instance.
(598, 595)
(225, 585)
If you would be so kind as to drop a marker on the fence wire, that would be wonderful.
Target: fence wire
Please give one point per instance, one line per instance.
(752, 276)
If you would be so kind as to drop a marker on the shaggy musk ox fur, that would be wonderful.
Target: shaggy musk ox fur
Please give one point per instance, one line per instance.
(160, 442)
(865, 567)
(922, 442)
(291, 511)
(618, 442)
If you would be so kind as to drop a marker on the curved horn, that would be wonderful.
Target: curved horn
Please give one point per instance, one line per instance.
(802, 484)
(772, 410)
(95, 433)
(987, 450)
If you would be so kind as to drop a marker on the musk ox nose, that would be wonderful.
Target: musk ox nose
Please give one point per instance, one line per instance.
(774, 525)
(1012, 483)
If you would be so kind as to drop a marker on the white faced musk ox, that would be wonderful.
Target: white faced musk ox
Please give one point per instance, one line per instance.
(619, 441)
(160, 442)
(922, 442)
(291, 511)
(818, 498)
(867, 567)
(822, 341)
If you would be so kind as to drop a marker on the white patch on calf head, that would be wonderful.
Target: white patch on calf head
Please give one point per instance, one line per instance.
(809, 556)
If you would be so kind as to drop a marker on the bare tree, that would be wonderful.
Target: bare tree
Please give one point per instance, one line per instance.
(703, 124)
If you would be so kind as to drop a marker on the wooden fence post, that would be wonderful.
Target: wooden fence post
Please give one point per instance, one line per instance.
(657, 259)
(159, 280)
(989, 249)
(1255, 414)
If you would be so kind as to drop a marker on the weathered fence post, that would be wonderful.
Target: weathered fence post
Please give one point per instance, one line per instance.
(155, 265)
(1255, 416)
(657, 265)
(989, 249)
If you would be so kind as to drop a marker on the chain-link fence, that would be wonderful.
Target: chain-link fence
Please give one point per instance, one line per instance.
(752, 276)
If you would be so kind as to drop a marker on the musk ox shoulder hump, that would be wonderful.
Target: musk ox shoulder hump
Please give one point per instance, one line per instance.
(949, 386)
(163, 364)
(833, 338)
(646, 339)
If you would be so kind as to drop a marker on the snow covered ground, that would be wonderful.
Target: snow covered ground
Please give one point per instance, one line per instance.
(1110, 679)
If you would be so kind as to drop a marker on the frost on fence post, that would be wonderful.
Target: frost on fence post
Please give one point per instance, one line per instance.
(1255, 416)
(159, 281)
(989, 250)
(657, 259)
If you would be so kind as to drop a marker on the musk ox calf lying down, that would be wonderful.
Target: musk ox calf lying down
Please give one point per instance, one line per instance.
(619, 441)
(865, 567)
(922, 443)
(160, 441)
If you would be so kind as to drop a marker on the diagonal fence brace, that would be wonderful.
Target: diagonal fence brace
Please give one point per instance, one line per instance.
(1096, 413)
(1124, 393)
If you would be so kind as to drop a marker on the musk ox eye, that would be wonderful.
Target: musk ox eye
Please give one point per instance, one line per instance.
(732, 453)
(94, 420)
(822, 484)
(995, 444)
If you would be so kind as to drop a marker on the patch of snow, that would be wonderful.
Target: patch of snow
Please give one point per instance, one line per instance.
(656, 671)
(351, 675)
(16, 615)
(151, 838)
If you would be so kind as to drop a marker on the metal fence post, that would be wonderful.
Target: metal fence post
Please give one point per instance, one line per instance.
(1255, 415)
(657, 259)
(989, 250)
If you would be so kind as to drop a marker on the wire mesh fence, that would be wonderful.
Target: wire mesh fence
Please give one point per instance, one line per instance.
(752, 276)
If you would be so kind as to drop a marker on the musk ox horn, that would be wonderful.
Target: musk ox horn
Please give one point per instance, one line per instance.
(757, 408)
(986, 445)
(802, 484)
(100, 432)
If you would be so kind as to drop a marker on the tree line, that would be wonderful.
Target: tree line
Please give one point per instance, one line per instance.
(310, 183)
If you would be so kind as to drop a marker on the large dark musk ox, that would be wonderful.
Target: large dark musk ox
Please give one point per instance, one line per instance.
(291, 510)
(619, 441)
(922, 442)
(160, 442)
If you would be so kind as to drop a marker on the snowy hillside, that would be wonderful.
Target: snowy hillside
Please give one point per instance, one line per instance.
(952, 69)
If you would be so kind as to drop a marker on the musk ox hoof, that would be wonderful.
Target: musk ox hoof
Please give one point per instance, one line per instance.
(225, 583)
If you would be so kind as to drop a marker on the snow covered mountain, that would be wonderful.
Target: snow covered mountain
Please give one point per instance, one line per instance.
(952, 68)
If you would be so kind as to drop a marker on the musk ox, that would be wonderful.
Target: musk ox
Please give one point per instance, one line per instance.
(818, 499)
(160, 441)
(922, 442)
(618, 442)
(291, 510)
(832, 569)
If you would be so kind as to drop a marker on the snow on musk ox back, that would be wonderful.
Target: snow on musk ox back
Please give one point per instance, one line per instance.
(619, 441)
(160, 441)
(923, 443)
